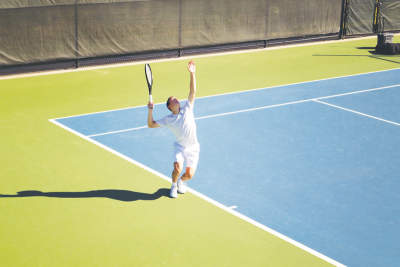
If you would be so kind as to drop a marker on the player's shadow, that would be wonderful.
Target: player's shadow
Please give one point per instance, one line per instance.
(121, 195)
(373, 55)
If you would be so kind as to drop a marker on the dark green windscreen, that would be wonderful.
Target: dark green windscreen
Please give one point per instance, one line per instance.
(34, 31)
(363, 14)
(390, 15)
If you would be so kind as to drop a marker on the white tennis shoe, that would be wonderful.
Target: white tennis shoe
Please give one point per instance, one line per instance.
(181, 186)
(174, 191)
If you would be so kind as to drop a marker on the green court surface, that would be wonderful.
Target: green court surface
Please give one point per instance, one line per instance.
(78, 230)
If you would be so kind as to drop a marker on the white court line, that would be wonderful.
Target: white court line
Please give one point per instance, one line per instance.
(120, 131)
(230, 210)
(238, 92)
(296, 102)
(265, 107)
(356, 112)
(252, 109)
(362, 91)
(205, 117)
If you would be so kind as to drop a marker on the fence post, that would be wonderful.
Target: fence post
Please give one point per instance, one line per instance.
(76, 35)
(266, 23)
(180, 26)
(377, 17)
(343, 20)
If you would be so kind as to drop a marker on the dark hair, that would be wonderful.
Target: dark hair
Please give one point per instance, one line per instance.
(168, 102)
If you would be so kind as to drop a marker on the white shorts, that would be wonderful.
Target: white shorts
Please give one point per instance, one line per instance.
(191, 155)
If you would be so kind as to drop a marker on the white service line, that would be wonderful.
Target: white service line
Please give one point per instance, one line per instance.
(362, 91)
(205, 117)
(356, 112)
(252, 109)
(120, 131)
(230, 210)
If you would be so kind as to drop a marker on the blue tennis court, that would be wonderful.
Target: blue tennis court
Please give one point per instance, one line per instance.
(317, 161)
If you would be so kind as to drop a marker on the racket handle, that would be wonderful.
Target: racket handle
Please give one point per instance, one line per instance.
(151, 98)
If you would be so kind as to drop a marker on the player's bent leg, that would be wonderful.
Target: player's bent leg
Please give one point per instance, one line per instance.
(175, 174)
(192, 158)
(188, 174)
(185, 177)
(179, 158)
(177, 170)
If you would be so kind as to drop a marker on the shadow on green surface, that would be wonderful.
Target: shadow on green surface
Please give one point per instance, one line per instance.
(366, 48)
(373, 55)
(121, 195)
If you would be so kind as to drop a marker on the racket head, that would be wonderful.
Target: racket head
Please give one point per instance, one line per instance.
(149, 77)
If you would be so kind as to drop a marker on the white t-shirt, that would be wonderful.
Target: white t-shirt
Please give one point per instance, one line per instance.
(183, 126)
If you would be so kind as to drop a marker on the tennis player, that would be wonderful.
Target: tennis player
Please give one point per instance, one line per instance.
(181, 122)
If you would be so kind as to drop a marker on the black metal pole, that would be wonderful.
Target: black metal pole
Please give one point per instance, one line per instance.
(180, 27)
(343, 20)
(76, 35)
(266, 23)
(376, 28)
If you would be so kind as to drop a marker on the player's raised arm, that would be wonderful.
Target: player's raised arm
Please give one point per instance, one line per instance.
(150, 122)
(192, 70)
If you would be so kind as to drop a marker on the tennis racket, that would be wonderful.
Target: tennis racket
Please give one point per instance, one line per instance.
(149, 79)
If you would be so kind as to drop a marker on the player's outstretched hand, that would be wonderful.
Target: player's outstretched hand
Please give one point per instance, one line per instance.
(192, 67)
(150, 105)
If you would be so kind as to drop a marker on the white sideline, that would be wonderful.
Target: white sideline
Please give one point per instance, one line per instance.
(230, 210)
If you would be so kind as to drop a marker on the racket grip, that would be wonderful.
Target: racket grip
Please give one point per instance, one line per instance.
(151, 98)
